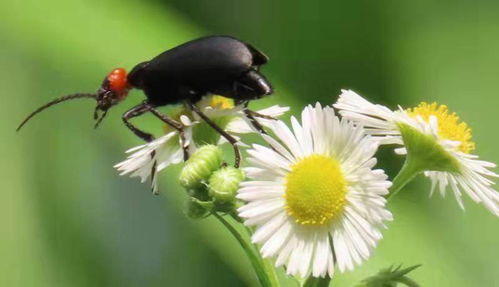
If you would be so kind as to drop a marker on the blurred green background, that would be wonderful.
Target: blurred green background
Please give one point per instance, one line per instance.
(68, 219)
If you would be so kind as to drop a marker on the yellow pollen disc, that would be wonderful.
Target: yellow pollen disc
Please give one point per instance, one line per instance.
(315, 190)
(222, 103)
(450, 127)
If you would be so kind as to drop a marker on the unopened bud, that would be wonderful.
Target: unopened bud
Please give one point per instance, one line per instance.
(224, 183)
(200, 166)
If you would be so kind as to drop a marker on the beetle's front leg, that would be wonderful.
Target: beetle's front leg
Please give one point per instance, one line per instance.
(135, 112)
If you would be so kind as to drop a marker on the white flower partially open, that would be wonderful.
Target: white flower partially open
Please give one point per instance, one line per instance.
(466, 173)
(167, 150)
(313, 196)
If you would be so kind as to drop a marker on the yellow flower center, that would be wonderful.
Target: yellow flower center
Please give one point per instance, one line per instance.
(315, 190)
(222, 103)
(450, 127)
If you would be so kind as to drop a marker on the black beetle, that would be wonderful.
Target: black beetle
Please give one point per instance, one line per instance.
(220, 65)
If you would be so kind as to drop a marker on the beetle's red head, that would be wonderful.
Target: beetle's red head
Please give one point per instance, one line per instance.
(113, 90)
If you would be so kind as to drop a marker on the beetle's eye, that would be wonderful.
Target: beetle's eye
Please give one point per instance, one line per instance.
(118, 81)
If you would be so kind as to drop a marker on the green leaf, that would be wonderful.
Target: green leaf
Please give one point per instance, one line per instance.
(391, 277)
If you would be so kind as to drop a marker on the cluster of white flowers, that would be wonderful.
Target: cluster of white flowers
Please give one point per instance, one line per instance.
(313, 193)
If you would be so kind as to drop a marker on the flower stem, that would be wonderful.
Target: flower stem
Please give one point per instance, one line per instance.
(410, 169)
(267, 264)
(262, 272)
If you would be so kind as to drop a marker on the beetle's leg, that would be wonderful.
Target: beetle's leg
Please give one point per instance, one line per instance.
(262, 116)
(248, 113)
(135, 112)
(223, 133)
(180, 129)
(176, 125)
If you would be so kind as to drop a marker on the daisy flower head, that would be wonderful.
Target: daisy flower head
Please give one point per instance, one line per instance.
(435, 139)
(314, 197)
(167, 149)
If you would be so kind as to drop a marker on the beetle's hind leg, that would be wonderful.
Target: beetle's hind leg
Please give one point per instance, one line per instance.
(223, 133)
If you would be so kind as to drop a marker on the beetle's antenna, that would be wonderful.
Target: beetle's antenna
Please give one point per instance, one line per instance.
(100, 119)
(54, 102)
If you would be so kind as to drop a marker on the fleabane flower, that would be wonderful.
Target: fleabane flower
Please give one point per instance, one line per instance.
(314, 197)
(167, 149)
(436, 139)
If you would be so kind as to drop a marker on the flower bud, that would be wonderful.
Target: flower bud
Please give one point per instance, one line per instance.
(200, 166)
(224, 183)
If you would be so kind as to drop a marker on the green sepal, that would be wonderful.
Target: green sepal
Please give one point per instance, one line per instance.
(197, 209)
(428, 154)
(424, 153)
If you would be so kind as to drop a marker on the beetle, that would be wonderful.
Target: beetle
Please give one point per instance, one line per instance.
(220, 65)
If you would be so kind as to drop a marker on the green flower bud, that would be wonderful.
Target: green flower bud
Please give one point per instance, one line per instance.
(224, 183)
(200, 166)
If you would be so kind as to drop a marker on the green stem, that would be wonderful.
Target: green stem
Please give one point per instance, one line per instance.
(258, 264)
(267, 264)
(410, 169)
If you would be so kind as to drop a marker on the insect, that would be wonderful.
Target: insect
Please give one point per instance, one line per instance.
(220, 65)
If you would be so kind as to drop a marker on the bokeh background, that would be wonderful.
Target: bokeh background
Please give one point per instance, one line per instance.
(68, 219)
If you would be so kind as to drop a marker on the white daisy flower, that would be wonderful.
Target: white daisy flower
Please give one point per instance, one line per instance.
(167, 150)
(449, 163)
(313, 196)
